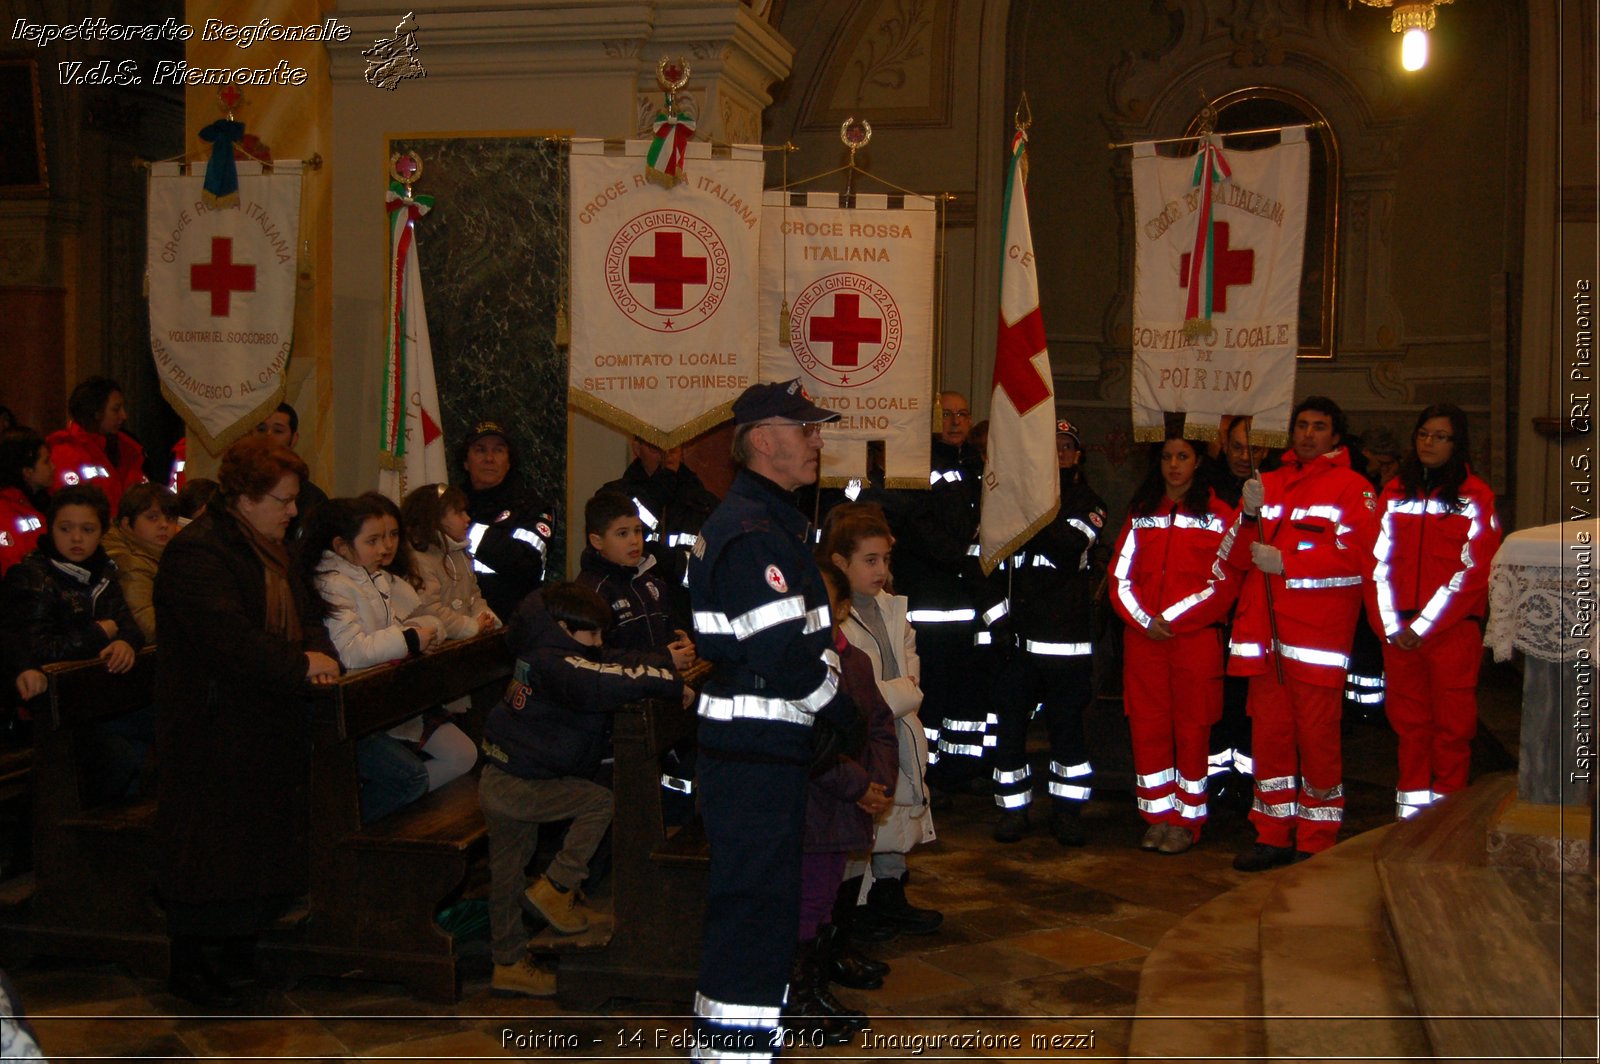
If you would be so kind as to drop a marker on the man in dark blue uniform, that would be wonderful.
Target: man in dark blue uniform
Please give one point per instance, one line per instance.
(761, 618)
(511, 527)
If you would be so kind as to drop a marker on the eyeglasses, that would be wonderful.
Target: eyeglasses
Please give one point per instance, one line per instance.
(290, 500)
(955, 415)
(1433, 437)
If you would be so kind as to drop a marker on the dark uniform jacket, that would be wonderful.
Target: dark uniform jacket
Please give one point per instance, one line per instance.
(510, 539)
(934, 530)
(1052, 607)
(232, 736)
(761, 618)
(642, 614)
(552, 721)
(673, 507)
(52, 609)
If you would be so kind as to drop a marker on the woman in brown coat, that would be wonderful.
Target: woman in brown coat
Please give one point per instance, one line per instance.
(240, 638)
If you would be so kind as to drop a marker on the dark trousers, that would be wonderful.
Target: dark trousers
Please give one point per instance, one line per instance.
(754, 814)
(1064, 688)
(953, 702)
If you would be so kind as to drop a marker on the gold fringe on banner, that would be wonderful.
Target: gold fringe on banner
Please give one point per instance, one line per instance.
(1206, 430)
(1149, 433)
(239, 429)
(907, 482)
(1268, 439)
(992, 562)
(623, 421)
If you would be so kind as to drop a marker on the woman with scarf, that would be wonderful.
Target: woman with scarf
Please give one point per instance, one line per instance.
(241, 636)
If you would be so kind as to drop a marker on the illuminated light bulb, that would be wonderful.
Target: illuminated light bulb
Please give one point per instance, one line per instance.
(1414, 49)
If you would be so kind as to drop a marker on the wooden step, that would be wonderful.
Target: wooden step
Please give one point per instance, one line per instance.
(1495, 956)
(1331, 978)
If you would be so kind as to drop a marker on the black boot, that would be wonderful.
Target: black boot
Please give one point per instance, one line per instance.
(842, 967)
(845, 911)
(192, 977)
(1066, 823)
(888, 902)
(811, 1009)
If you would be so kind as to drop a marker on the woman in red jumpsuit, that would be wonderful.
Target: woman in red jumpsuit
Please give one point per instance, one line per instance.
(1429, 593)
(1163, 589)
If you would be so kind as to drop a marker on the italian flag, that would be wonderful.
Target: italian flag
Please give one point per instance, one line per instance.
(411, 442)
(1021, 487)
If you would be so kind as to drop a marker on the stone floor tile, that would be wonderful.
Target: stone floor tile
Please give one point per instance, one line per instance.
(1077, 947)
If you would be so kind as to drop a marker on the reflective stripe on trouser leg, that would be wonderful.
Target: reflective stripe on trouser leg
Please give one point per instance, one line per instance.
(1013, 788)
(754, 815)
(1277, 777)
(961, 737)
(1067, 689)
(1408, 804)
(1433, 707)
(1363, 690)
(1172, 691)
(1070, 782)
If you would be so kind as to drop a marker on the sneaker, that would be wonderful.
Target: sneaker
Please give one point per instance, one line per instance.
(1261, 857)
(1012, 825)
(561, 909)
(1179, 839)
(1066, 824)
(522, 979)
(1154, 837)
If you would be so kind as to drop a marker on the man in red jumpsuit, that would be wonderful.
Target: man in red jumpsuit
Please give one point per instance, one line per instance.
(1308, 529)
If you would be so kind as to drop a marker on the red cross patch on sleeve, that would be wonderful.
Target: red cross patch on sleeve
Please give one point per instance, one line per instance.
(775, 579)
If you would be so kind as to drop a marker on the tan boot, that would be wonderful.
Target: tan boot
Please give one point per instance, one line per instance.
(522, 979)
(561, 909)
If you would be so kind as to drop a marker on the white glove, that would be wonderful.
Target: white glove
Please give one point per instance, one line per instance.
(1255, 493)
(1268, 559)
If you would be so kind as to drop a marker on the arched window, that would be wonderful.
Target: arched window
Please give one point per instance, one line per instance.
(1266, 108)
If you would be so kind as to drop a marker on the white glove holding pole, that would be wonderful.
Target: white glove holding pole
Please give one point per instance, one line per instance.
(1268, 559)
(1255, 493)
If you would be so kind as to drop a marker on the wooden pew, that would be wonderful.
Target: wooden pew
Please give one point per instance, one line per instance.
(375, 888)
(658, 881)
(93, 886)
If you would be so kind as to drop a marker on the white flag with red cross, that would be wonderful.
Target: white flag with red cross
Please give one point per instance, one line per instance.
(1021, 487)
(1216, 305)
(847, 307)
(410, 436)
(222, 295)
(663, 300)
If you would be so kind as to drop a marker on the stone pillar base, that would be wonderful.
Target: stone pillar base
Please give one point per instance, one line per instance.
(1552, 838)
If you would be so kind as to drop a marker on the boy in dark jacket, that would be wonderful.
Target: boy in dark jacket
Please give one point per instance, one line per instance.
(542, 747)
(616, 566)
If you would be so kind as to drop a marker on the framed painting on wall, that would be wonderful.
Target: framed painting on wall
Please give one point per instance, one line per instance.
(22, 162)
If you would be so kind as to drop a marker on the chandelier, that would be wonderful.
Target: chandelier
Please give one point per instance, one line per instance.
(1413, 20)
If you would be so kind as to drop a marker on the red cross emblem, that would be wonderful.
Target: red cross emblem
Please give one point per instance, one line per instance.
(846, 330)
(221, 276)
(1014, 371)
(859, 321)
(668, 270)
(1230, 266)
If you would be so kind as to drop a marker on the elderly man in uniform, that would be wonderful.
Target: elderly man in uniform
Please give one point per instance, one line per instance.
(1305, 531)
(511, 527)
(761, 618)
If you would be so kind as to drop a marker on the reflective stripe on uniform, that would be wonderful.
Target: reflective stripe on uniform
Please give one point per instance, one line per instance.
(1220, 761)
(1057, 650)
(650, 520)
(1323, 794)
(1020, 775)
(1070, 772)
(747, 624)
(1155, 805)
(1243, 764)
(1014, 801)
(755, 707)
(677, 783)
(1277, 783)
(1191, 812)
(1313, 656)
(1327, 581)
(1155, 779)
(1281, 810)
(730, 1015)
(997, 611)
(940, 616)
(474, 538)
(950, 476)
(1189, 786)
(1322, 812)
(1069, 791)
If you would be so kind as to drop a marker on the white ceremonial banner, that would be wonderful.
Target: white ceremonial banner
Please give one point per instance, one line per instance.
(222, 291)
(1244, 364)
(663, 299)
(858, 283)
(410, 434)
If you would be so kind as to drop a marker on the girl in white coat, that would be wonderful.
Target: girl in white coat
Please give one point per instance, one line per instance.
(857, 541)
(373, 619)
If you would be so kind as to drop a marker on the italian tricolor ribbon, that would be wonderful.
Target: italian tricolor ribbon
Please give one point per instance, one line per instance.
(411, 450)
(664, 160)
(1210, 166)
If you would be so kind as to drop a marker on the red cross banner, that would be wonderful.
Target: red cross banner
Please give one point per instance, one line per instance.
(222, 291)
(1021, 486)
(1216, 306)
(857, 284)
(663, 303)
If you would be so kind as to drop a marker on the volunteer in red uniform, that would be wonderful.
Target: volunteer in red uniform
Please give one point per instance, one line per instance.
(25, 474)
(93, 446)
(1437, 532)
(1313, 542)
(1173, 653)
